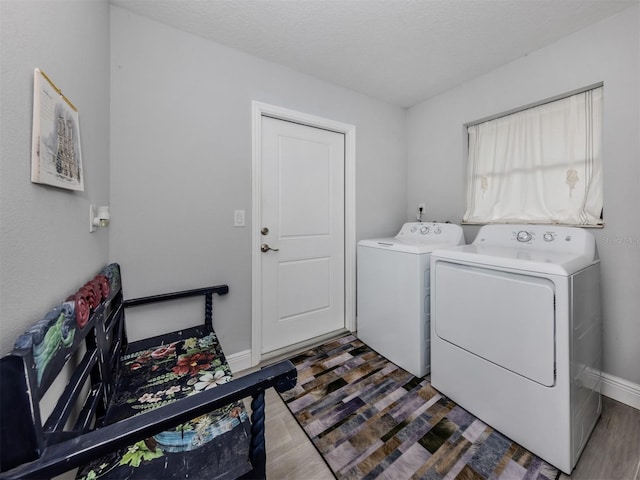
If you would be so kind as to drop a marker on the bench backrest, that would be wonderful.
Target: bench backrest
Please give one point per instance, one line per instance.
(86, 331)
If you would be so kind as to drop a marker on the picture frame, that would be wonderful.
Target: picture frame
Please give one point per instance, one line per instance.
(56, 157)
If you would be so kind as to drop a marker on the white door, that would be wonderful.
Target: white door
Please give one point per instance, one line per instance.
(302, 223)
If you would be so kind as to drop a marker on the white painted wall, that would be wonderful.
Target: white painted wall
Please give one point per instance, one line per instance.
(181, 160)
(608, 51)
(46, 250)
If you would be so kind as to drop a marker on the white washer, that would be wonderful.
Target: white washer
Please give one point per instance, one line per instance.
(516, 334)
(393, 292)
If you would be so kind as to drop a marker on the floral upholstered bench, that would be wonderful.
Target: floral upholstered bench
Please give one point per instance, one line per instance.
(162, 407)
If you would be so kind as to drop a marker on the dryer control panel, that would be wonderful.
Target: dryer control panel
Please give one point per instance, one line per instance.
(538, 237)
(524, 236)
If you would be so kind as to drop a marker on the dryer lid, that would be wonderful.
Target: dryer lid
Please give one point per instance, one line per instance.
(527, 260)
(549, 249)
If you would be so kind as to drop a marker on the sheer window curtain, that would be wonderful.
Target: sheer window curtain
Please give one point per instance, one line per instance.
(540, 165)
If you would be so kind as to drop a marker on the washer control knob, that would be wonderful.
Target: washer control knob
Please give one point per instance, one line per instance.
(548, 237)
(424, 230)
(523, 236)
(437, 230)
(414, 229)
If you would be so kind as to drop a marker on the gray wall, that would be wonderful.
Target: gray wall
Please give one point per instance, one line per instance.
(608, 52)
(181, 160)
(46, 249)
(180, 157)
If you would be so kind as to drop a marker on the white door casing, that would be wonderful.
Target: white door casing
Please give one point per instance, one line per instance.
(307, 203)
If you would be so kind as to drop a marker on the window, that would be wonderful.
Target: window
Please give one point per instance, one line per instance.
(539, 165)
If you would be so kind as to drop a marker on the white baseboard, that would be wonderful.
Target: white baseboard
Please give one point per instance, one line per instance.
(621, 390)
(239, 361)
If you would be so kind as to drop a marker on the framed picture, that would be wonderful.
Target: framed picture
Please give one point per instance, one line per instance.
(56, 158)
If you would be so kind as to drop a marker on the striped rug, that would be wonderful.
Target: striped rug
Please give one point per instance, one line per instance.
(370, 419)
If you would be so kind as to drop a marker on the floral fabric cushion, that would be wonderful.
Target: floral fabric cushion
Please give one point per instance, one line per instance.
(160, 375)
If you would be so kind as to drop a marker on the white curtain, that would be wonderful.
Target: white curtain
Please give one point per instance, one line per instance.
(540, 165)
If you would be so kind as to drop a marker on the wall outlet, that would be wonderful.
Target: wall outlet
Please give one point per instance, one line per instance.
(238, 218)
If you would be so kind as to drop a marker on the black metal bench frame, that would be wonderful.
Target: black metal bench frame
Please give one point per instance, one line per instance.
(33, 449)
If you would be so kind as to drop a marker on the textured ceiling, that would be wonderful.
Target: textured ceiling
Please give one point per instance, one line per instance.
(399, 51)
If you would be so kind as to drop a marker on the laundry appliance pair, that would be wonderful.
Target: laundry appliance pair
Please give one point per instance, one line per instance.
(515, 329)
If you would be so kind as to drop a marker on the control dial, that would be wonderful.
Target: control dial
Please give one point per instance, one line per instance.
(548, 237)
(523, 236)
(424, 230)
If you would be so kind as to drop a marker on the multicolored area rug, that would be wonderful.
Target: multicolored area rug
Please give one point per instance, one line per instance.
(370, 419)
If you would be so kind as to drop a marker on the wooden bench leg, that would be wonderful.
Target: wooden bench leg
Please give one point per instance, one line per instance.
(258, 453)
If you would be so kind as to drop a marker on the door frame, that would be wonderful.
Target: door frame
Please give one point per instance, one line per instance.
(259, 110)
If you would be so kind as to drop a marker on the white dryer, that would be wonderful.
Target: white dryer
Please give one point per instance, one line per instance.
(516, 334)
(393, 292)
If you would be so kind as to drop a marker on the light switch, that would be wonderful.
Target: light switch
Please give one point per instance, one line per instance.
(238, 218)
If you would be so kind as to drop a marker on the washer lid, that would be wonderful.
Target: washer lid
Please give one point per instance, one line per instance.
(419, 238)
(400, 245)
(525, 259)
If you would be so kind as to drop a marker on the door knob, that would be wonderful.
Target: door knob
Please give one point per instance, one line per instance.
(265, 248)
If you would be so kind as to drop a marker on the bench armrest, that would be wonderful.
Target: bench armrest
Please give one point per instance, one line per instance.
(206, 291)
(219, 289)
(69, 454)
